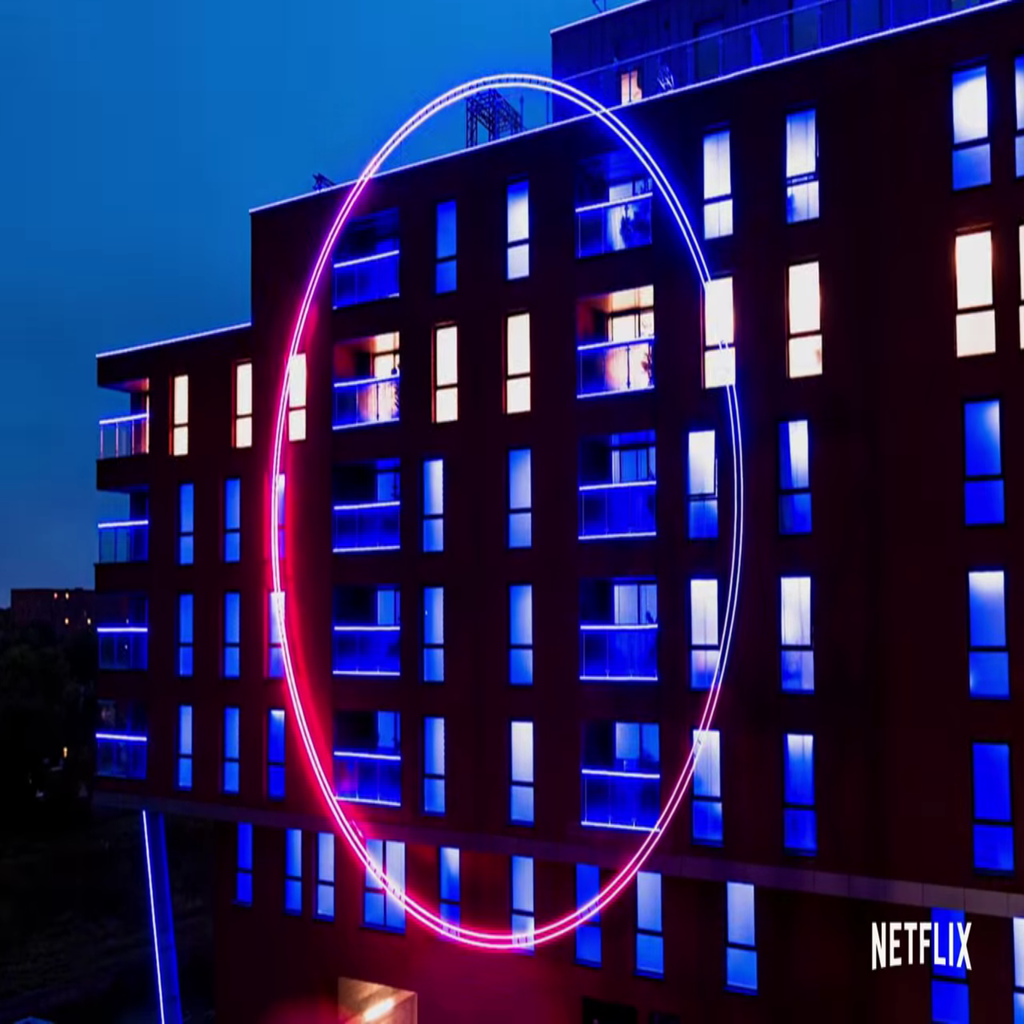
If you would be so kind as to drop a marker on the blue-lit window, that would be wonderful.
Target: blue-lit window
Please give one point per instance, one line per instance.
(449, 885)
(993, 816)
(433, 634)
(366, 381)
(520, 498)
(520, 634)
(366, 260)
(433, 766)
(232, 634)
(801, 166)
(232, 520)
(795, 634)
(275, 754)
(703, 633)
(707, 788)
(972, 151)
(184, 746)
(521, 774)
(950, 1002)
(702, 485)
(521, 871)
(615, 342)
(324, 907)
(1018, 940)
(186, 523)
(621, 775)
(989, 660)
(614, 214)
(446, 268)
(123, 632)
(232, 750)
(367, 503)
(380, 908)
(1018, 90)
(619, 631)
(717, 185)
(186, 635)
(800, 819)
(367, 631)
(794, 477)
(983, 464)
(275, 658)
(518, 218)
(243, 864)
(719, 334)
(588, 935)
(740, 948)
(650, 942)
(433, 505)
(618, 486)
(293, 871)
(368, 757)
(121, 740)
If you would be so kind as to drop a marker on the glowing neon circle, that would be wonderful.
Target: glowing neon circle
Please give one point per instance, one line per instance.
(482, 938)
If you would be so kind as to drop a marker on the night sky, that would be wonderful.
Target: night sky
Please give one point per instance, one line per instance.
(135, 139)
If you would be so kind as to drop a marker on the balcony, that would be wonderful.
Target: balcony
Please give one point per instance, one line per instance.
(125, 541)
(368, 777)
(619, 799)
(613, 226)
(123, 648)
(366, 650)
(611, 653)
(367, 526)
(612, 367)
(121, 755)
(122, 436)
(361, 403)
(366, 278)
(617, 510)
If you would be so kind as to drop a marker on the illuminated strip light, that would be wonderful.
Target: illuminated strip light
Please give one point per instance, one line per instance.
(124, 419)
(615, 391)
(363, 672)
(152, 917)
(122, 629)
(616, 626)
(367, 505)
(366, 259)
(125, 522)
(368, 801)
(618, 483)
(590, 346)
(367, 629)
(365, 381)
(608, 203)
(614, 773)
(365, 423)
(367, 755)
(617, 536)
(552, 930)
(375, 547)
(618, 679)
(651, 829)
(122, 737)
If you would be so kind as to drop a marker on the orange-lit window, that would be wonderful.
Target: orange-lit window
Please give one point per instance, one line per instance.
(179, 415)
(297, 398)
(629, 86)
(242, 436)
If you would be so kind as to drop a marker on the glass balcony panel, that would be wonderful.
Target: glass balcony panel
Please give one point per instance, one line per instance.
(126, 541)
(359, 403)
(121, 436)
(367, 527)
(366, 650)
(366, 279)
(613, 226)
(609, 367)
(621, 653)
(617, 510)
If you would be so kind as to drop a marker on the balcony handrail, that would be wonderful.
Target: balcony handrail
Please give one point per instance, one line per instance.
(368, 628)
(122, 737)
(613, 484)
(367, 505)
(366, 259)
(121, 523)
(608, 203)
(616, 626)
(124, 419)
(590, 346)
(122, 629)
(618, 773)
(367, 381)
(367, 755)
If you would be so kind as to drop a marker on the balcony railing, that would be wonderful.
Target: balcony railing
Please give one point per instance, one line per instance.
(620, 799)
(619, 653)
(121, 755)
(618, 509)
(365, 650)
(613, 225)
(368, 526)
(126, 541)
(608, 367)
(366, 279)
(121, 436)
(361, 403)
(123, 648)
(368, 777)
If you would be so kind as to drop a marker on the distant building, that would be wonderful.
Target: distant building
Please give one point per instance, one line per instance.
(67, 611)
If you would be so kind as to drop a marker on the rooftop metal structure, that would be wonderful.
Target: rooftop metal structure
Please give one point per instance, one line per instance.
(491, 110)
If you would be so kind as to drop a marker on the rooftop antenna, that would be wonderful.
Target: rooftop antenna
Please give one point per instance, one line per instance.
(498, 117)
(321, 181)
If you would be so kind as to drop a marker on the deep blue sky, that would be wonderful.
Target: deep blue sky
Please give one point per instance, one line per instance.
(134, 138)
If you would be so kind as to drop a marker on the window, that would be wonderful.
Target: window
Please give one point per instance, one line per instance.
(293, 871)
(231, 750)
(975, 318)
(518, 217)
(629, 86)
(707, 788)
(232, 520)
(185, 635)
(275, 659)
(380, 908)
(717, 185)
(179, 415)
(804, 352)
(366, 381)
(1018, 79)
(703, 633)
(433, 505)
(186, 523)
(650, 943)
(719, 334)
(520, 634)
(618, 486)
(433, 766)
(232, 634)
(522, 900)
(702, 485)
(993, 820)
(281, 507)
(1018, 924)
(801, 166)
(297, 397)
(619, 630)
(122, 632)
(520, 498)
(621, 775)
(275, 753)
(521, 775)
(799, 816)
(449, 884)
(588, 935)
(613, 210)
(433, 634)
(795, 635)
(368, 757)
(445, 273)
(121, 740)
(243, 864)
(365, 265)
(517, 363)
(794, 477)
(324, 908)
(950, 1002)
(983, 486)
(185, 746)
(367, 631)
(242, 434)
(740, 949)
(972, 154)
(446, 374)
(989, 662)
